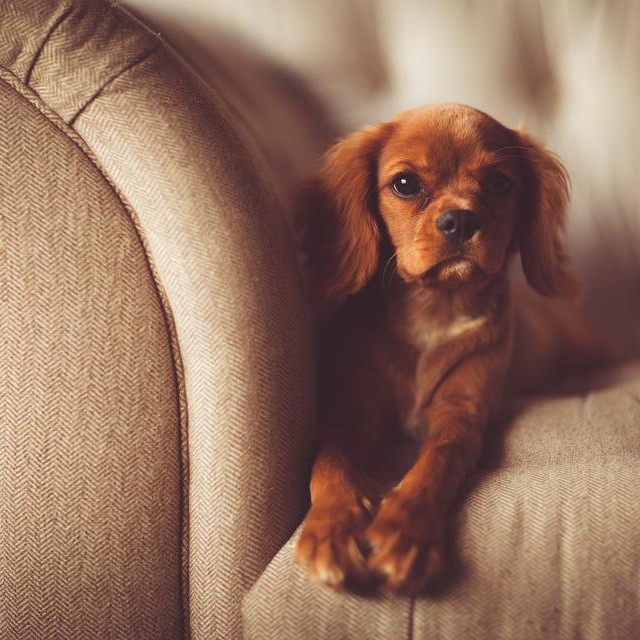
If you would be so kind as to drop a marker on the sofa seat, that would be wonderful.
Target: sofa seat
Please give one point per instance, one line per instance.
(547, 543)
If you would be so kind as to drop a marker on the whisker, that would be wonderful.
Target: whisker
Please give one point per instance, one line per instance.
(390, 263)
(529, 150)
(510, 158)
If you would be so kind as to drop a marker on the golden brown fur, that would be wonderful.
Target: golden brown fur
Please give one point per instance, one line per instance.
(418, 329)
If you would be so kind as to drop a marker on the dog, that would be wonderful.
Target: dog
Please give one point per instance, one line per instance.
(409, 229)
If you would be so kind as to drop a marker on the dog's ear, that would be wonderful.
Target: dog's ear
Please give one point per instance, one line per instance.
(541, 223)
(337, 215)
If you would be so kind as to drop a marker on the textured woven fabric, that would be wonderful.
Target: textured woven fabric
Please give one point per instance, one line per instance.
(89, 413)
(66, 51)
(548, 543)
(279, 116)
(219, 247)
(222, 255)
(90, 467)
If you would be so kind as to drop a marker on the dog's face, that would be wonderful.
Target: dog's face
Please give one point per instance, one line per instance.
(448, 185)
(455, 192)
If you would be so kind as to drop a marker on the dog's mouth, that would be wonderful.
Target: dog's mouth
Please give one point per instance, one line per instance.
(450, 272)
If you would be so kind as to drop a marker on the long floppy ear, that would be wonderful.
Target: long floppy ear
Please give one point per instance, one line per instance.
(541, 223)
(337, 216)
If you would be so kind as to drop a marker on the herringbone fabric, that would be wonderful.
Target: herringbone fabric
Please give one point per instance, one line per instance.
(67, 51)
(89, 413)
(221, 253)
(153, 211)
(548, 542)
(218, 246)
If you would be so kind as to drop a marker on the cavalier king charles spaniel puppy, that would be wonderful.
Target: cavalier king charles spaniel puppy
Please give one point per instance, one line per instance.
(409, 228)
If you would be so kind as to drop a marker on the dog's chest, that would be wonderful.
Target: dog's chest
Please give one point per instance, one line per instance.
(428, 339)
(427, 333)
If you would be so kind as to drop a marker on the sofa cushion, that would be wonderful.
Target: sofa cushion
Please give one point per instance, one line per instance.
(547, 543)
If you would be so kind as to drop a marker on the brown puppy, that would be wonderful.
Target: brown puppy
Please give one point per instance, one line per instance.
(409, 229)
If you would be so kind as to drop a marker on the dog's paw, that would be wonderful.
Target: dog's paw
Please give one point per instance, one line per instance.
(407, 548)
(332, 545)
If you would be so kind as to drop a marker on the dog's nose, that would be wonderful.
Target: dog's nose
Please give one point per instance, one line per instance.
(458, 224)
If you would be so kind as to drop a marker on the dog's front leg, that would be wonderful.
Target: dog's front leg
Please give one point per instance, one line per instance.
(332, 538)
(408, 534)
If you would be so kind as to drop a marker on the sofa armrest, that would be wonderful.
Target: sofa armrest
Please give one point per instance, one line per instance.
(223, 255)
(219, 250)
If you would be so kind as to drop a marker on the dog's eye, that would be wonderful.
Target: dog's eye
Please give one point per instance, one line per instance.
(497, 184)
(406, 185)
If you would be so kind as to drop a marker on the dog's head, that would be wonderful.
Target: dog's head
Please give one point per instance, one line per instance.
(453, 192)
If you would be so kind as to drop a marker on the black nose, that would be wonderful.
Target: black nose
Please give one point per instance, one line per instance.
(458, 224)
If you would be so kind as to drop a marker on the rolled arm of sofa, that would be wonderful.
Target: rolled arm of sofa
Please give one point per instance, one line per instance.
(215, 285)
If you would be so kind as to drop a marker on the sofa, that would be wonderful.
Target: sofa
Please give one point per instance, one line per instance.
(157, 391)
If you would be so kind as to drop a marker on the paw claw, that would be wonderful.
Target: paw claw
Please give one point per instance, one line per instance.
(331, 547)
(407, 549)
(332, 576)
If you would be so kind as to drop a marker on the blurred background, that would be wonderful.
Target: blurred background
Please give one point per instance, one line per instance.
(565, 71)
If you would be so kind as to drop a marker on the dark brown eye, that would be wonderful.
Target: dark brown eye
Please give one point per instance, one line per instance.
(406, 185)
(498, 184)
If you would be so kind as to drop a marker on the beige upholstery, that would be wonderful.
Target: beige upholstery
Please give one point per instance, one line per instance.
(156, 370)
(90, 478)
(546, 546)
(132, 202)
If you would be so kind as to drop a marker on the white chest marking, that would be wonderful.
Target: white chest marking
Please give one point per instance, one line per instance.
(430, 336)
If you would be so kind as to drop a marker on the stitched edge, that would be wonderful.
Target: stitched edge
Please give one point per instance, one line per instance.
(134, 63)
(36, 56)
(35, 101)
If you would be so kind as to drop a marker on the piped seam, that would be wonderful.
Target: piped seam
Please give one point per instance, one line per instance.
(36, 56)
(134, 63)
